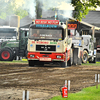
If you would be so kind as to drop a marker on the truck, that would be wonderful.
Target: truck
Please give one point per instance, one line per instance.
(89, 53)
(87, 40)
(10, 49)
(48, 42)
(98, 52)
(8, 33)
(77, 42)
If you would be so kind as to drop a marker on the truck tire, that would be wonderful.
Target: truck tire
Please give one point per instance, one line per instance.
(85, 56)
(70, 62)
(6, 55)
(31, 63)
(64, 64)
(94, 61)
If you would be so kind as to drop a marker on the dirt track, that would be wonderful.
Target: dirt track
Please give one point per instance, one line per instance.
(42, 82)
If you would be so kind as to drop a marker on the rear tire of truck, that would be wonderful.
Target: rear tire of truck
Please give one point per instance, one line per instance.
(85, 56)
(6, 55)
(94, 61)
(31, 63)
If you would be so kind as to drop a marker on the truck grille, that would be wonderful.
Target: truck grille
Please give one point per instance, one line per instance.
(45, 48)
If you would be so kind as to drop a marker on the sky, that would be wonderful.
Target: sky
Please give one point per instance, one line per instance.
(61, 5)
(98, 8)
(19, 2)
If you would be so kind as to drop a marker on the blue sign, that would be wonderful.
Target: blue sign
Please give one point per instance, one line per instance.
(31, 45)
(47, 26)
(58, 46)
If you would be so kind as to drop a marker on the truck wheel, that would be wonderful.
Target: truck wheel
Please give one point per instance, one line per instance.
(64, 64)
(94, 61)
(31, 63)
(85, 56)
(6, 55)
(70, 62)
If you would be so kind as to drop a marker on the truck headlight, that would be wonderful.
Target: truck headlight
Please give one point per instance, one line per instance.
(58, 56)
(32, 55)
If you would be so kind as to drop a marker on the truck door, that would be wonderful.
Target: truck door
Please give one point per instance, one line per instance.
(23, 40)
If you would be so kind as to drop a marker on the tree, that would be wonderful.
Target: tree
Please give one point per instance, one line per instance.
(20, 12)
(82, 7)
(10, 8)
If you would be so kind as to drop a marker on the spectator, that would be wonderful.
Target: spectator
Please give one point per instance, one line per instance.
(36, 34)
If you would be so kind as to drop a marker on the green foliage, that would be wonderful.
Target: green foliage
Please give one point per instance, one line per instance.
(3, 15)
(15, 61)
(90, 93)
(93, 64)
(82, 7)
(11, 8)
(20, 12)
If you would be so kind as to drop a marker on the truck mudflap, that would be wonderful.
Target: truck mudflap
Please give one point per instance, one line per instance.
(77, 59)
(75, 56)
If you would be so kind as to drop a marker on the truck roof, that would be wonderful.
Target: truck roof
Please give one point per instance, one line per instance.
(7, 27)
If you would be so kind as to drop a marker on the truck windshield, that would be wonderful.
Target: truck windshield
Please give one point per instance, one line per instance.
(52, 34)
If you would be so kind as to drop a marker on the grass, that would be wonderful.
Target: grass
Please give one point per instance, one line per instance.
(89, 93)
(93, 64)
(15, 61)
